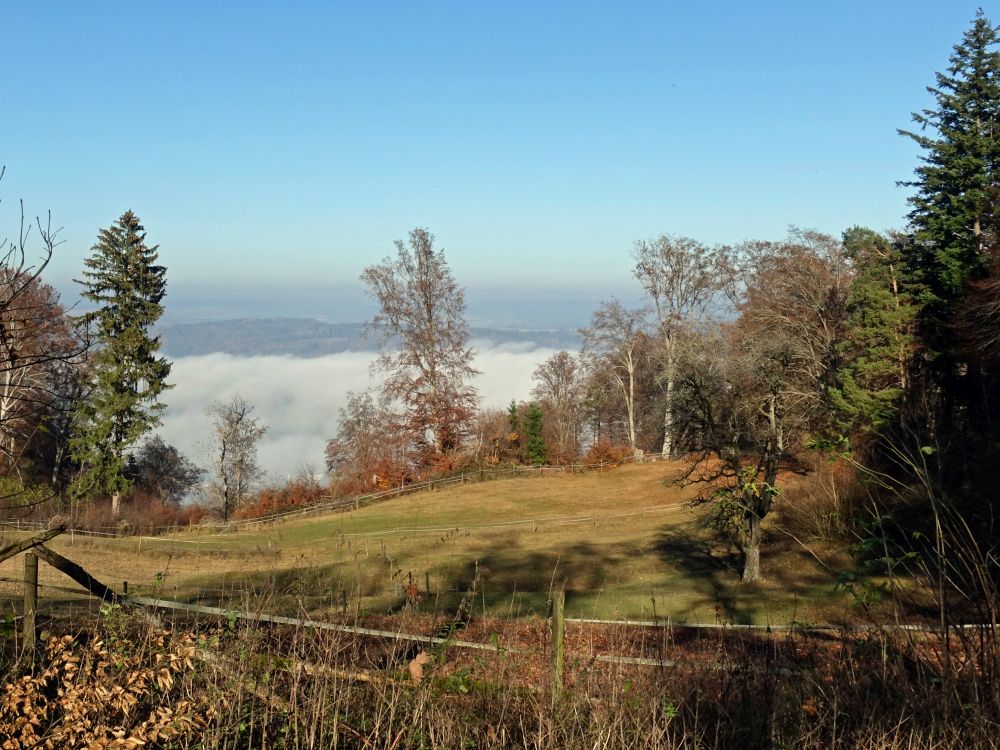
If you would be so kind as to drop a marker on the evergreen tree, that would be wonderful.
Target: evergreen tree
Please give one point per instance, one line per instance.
(879, 340)
(953, 210)
(534, 443)
(126, 376)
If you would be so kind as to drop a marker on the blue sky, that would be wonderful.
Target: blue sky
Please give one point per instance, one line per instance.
(290, 143)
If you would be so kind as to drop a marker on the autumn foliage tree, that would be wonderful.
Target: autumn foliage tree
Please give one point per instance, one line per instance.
(369, 450)
(429, 365)
(559, 389)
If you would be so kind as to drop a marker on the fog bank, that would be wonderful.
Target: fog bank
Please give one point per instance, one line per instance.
(299, 398)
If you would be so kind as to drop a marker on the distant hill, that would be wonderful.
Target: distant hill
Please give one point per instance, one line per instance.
(307, 337)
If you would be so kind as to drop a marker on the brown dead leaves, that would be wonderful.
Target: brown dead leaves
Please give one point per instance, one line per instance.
(101, 695)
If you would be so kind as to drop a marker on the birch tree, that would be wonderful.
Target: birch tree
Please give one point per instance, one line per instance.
(683, 278)
(38, 344)
(614, 342)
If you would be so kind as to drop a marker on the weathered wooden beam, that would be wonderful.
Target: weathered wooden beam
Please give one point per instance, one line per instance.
(25, 544)
(558, 627)
(30, 603)
(78, 574)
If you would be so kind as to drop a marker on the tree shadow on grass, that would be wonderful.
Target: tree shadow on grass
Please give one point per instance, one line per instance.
(517, 581)
(710, 572)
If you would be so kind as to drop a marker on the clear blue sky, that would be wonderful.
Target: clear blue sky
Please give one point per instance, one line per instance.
(292, 142)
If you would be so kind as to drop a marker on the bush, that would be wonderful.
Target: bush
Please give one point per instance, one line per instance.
(298, 493)
(604, 451)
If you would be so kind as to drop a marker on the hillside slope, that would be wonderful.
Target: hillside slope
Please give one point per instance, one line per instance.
(625, 543)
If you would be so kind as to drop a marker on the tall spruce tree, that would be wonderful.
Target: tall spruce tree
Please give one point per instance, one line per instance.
(123, 279)
(953, 216)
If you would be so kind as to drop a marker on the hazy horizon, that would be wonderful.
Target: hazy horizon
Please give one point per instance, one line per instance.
(518, 307)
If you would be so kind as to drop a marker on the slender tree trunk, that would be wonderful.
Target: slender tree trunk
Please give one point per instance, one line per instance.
(631, 407)
(668, 419)
(751, 563)
(116, 498)
(668, 409)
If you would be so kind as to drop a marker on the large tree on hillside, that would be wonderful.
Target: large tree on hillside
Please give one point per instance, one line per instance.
(422, 312)
(752, 389)
(683, 278)
(953, 217)
(125, 282)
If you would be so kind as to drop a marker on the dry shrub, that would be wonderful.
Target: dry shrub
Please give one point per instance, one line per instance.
(104, 693)
(604, 451)
(296, 494)
(300, 688)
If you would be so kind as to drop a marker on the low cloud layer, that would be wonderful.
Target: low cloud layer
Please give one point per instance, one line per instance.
(298, 399)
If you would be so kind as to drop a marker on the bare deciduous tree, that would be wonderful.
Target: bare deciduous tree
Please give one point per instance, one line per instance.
(37, 343)
(236, 433)
(35, 336)
(755, 387)
(559, 387)
(684, 278)
(614, 341)
(423, 309)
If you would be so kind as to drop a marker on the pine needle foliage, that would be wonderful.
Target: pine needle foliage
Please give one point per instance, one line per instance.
(124, 280)
(953, 212)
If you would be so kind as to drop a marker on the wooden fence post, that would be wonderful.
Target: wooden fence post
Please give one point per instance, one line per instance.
(30, 601)
(558, 625)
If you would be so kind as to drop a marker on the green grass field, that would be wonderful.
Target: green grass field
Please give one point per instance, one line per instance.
(625, 543)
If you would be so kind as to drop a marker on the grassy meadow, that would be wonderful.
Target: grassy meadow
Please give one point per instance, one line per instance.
(626, 543)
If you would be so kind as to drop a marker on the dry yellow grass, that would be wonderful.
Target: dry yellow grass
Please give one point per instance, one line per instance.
(625, 543)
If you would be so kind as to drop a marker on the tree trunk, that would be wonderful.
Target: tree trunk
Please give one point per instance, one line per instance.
(668, 409)
(751, 563)
(631, 407)
(668, 419)
(116, 499)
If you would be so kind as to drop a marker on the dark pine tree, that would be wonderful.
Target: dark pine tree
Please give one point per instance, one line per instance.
(124, 281)
(953, 216)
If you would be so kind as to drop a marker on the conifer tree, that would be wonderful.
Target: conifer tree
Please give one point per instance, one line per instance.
(127, 376)
(953, 216)
(878, 342)
(534, 443)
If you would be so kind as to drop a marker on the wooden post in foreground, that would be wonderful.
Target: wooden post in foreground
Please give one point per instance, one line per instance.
(30, 601)
(558, 625)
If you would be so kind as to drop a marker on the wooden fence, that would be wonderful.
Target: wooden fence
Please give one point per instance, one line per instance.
(34, 550)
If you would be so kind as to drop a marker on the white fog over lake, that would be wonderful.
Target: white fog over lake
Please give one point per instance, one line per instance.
(299, 398)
